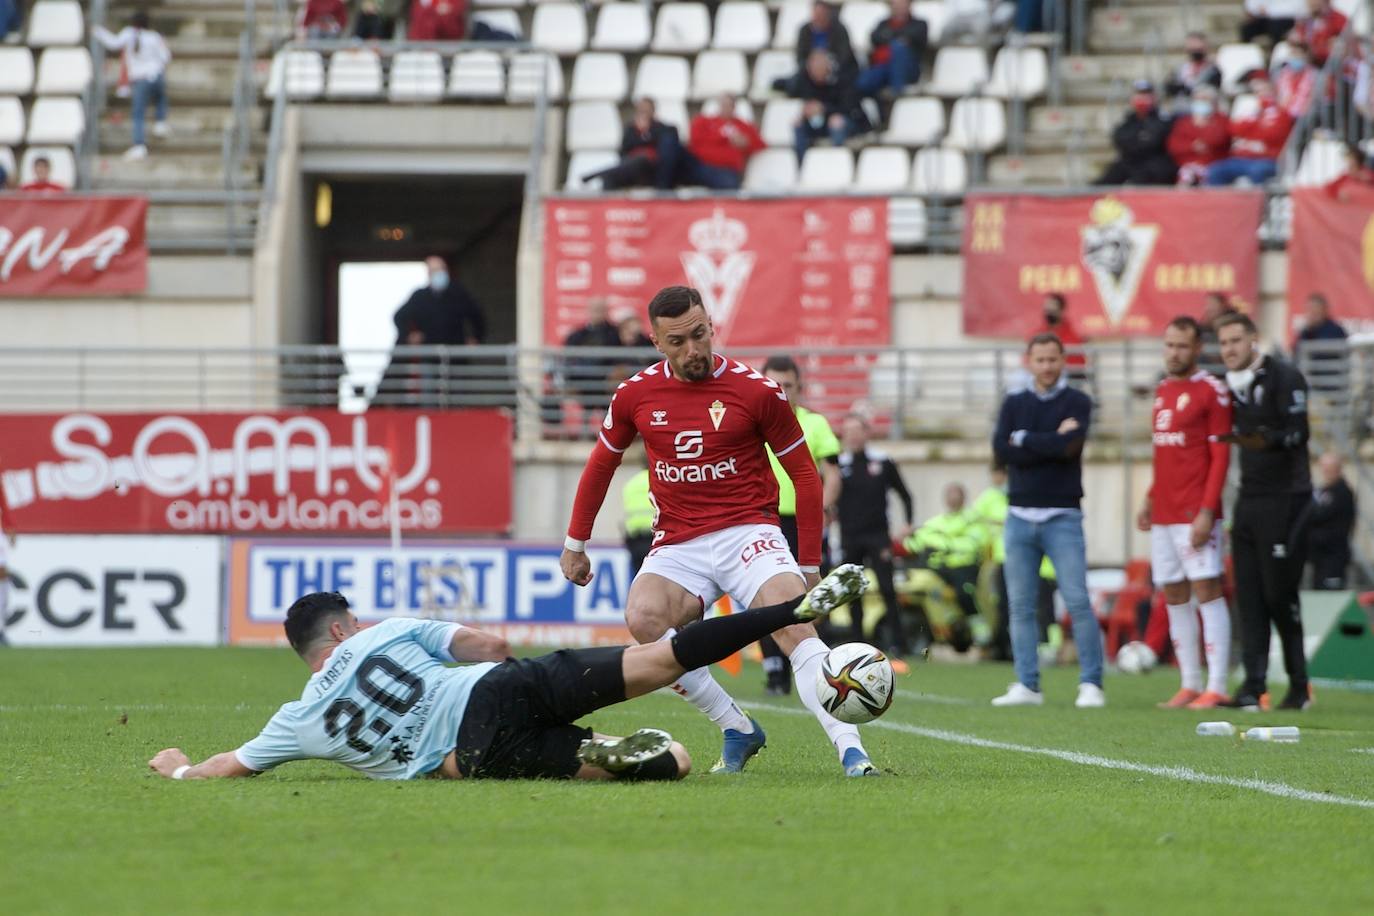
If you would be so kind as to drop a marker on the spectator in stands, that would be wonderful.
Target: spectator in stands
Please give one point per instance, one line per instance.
(589, 376)
(895, 59)
(1140, 140)
(442, 312)
(1358, 174)
(1272, 19)
(1333, 521)
(952, 546)
(1199, 138)
(1317, 321)
(145, 57)
(631, 331)
(370, 26)
(649, 153)
(1200, 69)
(720, 146)
(42, 182)
(1055, 308)
(1296, 80)
(11, 18)
(438, 20)
(322, 19)
(1256, 141)
(830, 107)
(4, 177)
(825, 33)
(1326, 370)
(1319, 29)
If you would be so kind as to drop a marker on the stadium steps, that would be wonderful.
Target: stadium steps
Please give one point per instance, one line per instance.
(1047, 169)
(1158, 26)
(183, 171)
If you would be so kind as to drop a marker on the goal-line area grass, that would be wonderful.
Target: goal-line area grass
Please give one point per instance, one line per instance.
(980, 810)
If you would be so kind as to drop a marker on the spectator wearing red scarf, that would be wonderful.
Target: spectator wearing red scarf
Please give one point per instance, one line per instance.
(1256, 141)
(1199, 138)
(1319, 30)
(438, 20)
(1296, 81)
(895, 59)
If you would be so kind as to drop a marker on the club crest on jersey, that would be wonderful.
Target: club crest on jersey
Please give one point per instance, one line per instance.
(717, 412)
(1182, 402)
(660, 418)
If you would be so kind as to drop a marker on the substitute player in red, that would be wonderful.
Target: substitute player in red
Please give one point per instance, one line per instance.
(1182, 512)
(705, 420)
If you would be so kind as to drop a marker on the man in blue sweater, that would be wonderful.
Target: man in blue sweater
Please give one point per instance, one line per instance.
(1040, 435)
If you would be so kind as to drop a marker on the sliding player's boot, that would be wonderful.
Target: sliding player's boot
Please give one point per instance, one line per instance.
(615, 755)
(844, 584)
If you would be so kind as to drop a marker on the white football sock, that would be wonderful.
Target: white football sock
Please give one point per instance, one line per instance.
(4, 600)
(701, 690)
(1216, 640)
(806, 662)
(1184, 632)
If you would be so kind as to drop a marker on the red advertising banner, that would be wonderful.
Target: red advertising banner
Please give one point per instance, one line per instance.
(445, 472)
(72, 245)
(1128, 262)
(1331, 252)
(795, 272)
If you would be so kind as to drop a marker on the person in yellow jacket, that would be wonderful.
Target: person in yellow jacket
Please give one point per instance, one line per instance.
(990, 508)
(639, 519)
(952, 545)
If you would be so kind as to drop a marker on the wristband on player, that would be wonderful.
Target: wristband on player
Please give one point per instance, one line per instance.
(180, 772)
(811, 569)
(573, 544)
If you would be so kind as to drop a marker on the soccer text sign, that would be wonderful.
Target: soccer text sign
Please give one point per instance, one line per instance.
(1127, 262)
(70, 245)
(1332, 252)
(796, 272)
(445, 472)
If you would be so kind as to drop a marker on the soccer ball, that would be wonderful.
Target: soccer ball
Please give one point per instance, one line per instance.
(855, 683)
(1135, 658)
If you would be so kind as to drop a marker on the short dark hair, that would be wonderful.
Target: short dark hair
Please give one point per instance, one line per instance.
(1039, 339)
(1319, 297)
(1059, 299)
(673, 302)
(43, 159)
(781, 362)
(308, 617)
(139, 20)
(1239, 318)
(1187, 323)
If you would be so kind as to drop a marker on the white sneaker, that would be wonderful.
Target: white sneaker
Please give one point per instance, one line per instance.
(1090, 696)
(162, 129)
(1019, 694)
(134, 153)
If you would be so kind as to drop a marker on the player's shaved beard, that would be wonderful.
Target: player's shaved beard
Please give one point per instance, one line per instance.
(695, 369)
(1180, 369)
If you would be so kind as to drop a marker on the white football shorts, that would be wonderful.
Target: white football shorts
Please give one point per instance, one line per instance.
(1173, 559)
(734, 561)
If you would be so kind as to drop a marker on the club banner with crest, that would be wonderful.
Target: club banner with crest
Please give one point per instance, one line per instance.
(796, 272)
(1332, 252)
(1127, 262)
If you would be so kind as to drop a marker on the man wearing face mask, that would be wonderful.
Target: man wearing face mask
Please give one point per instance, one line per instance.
(1140, 141)
(1198, 70)
(1256, 140)
(1272, 510)
(441, 313)
(1296, 81)
(1200, 138)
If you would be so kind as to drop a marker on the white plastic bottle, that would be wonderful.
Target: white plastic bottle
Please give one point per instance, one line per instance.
(1216, 729)
(1280, 734)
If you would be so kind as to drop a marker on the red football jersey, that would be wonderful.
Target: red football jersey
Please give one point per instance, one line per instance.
(1190, 465)
(708, 469)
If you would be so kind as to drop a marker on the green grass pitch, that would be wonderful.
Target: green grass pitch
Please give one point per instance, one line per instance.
(954, 827)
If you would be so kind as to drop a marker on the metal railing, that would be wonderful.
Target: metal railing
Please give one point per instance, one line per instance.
(93, 98)
(1332, 111)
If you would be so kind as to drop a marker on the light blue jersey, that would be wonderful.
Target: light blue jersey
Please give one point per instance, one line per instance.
(384, 704)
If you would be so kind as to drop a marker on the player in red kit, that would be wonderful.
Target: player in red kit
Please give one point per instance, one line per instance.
(705, 420)
(1183, 513)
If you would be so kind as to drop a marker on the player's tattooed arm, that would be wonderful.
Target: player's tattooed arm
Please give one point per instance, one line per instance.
(167, 762)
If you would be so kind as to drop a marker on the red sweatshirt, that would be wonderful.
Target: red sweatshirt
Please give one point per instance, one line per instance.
(1191, 143)
(320, 12)
(711, 144)
(1263, 136)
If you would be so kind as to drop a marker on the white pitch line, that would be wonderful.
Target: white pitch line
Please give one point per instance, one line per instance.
(133, 707)
(1181, 774)
(1362, 750)
(939, 698)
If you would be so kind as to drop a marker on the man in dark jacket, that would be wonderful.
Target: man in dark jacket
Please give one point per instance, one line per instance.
(895, 59)
(1333, 519)
(441, 313)
(1328, 367)
(1141, 144)
(649, 153)
(830, 106)
(1272, 511)
(825, 33)
(1040, 435)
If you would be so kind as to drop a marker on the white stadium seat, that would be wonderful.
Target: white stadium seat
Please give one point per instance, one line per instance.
(977, 125)
(477, 75)
(354, 74)
(55, 22)
(1236, 60)
(682, 28)
(56, 120)
(16, 71)
(827, 168)
(585, 162)
(622, 27)
(741, 25)
(11, 122)
(300, 74)
(526, 71)
(560, 28)
(771, 170)
(416, 76)
(499, 2)
(8, 164)
(63, 71)
(673, 112)
(1019, 73)
(503, 20)
(792, 15)
(883, 168)
(936, 170)
(958, 71)
(933, 13)
(906, 221)
(743, 109)
(662, 77)
(780, 116)
(1282, 52)
(599, 76)
(860, 17)
(719, 71)
(915, 122)
(768, 66)
(1322, 161)
(1245, 107)
(593, 125)
(62, 165)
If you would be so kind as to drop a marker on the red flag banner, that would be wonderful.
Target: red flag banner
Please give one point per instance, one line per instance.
(72, 245)
(1332, 252)
(795, 272)
(1128, 262)
(316, 472)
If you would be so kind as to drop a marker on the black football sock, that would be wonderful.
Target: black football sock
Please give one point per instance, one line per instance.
(700, 644)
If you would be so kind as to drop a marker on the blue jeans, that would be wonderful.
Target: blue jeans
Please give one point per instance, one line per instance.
(805, 135)
(1061, 539)
(901, 70)
(1227, 171)
(157, 88)
(715, 177)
